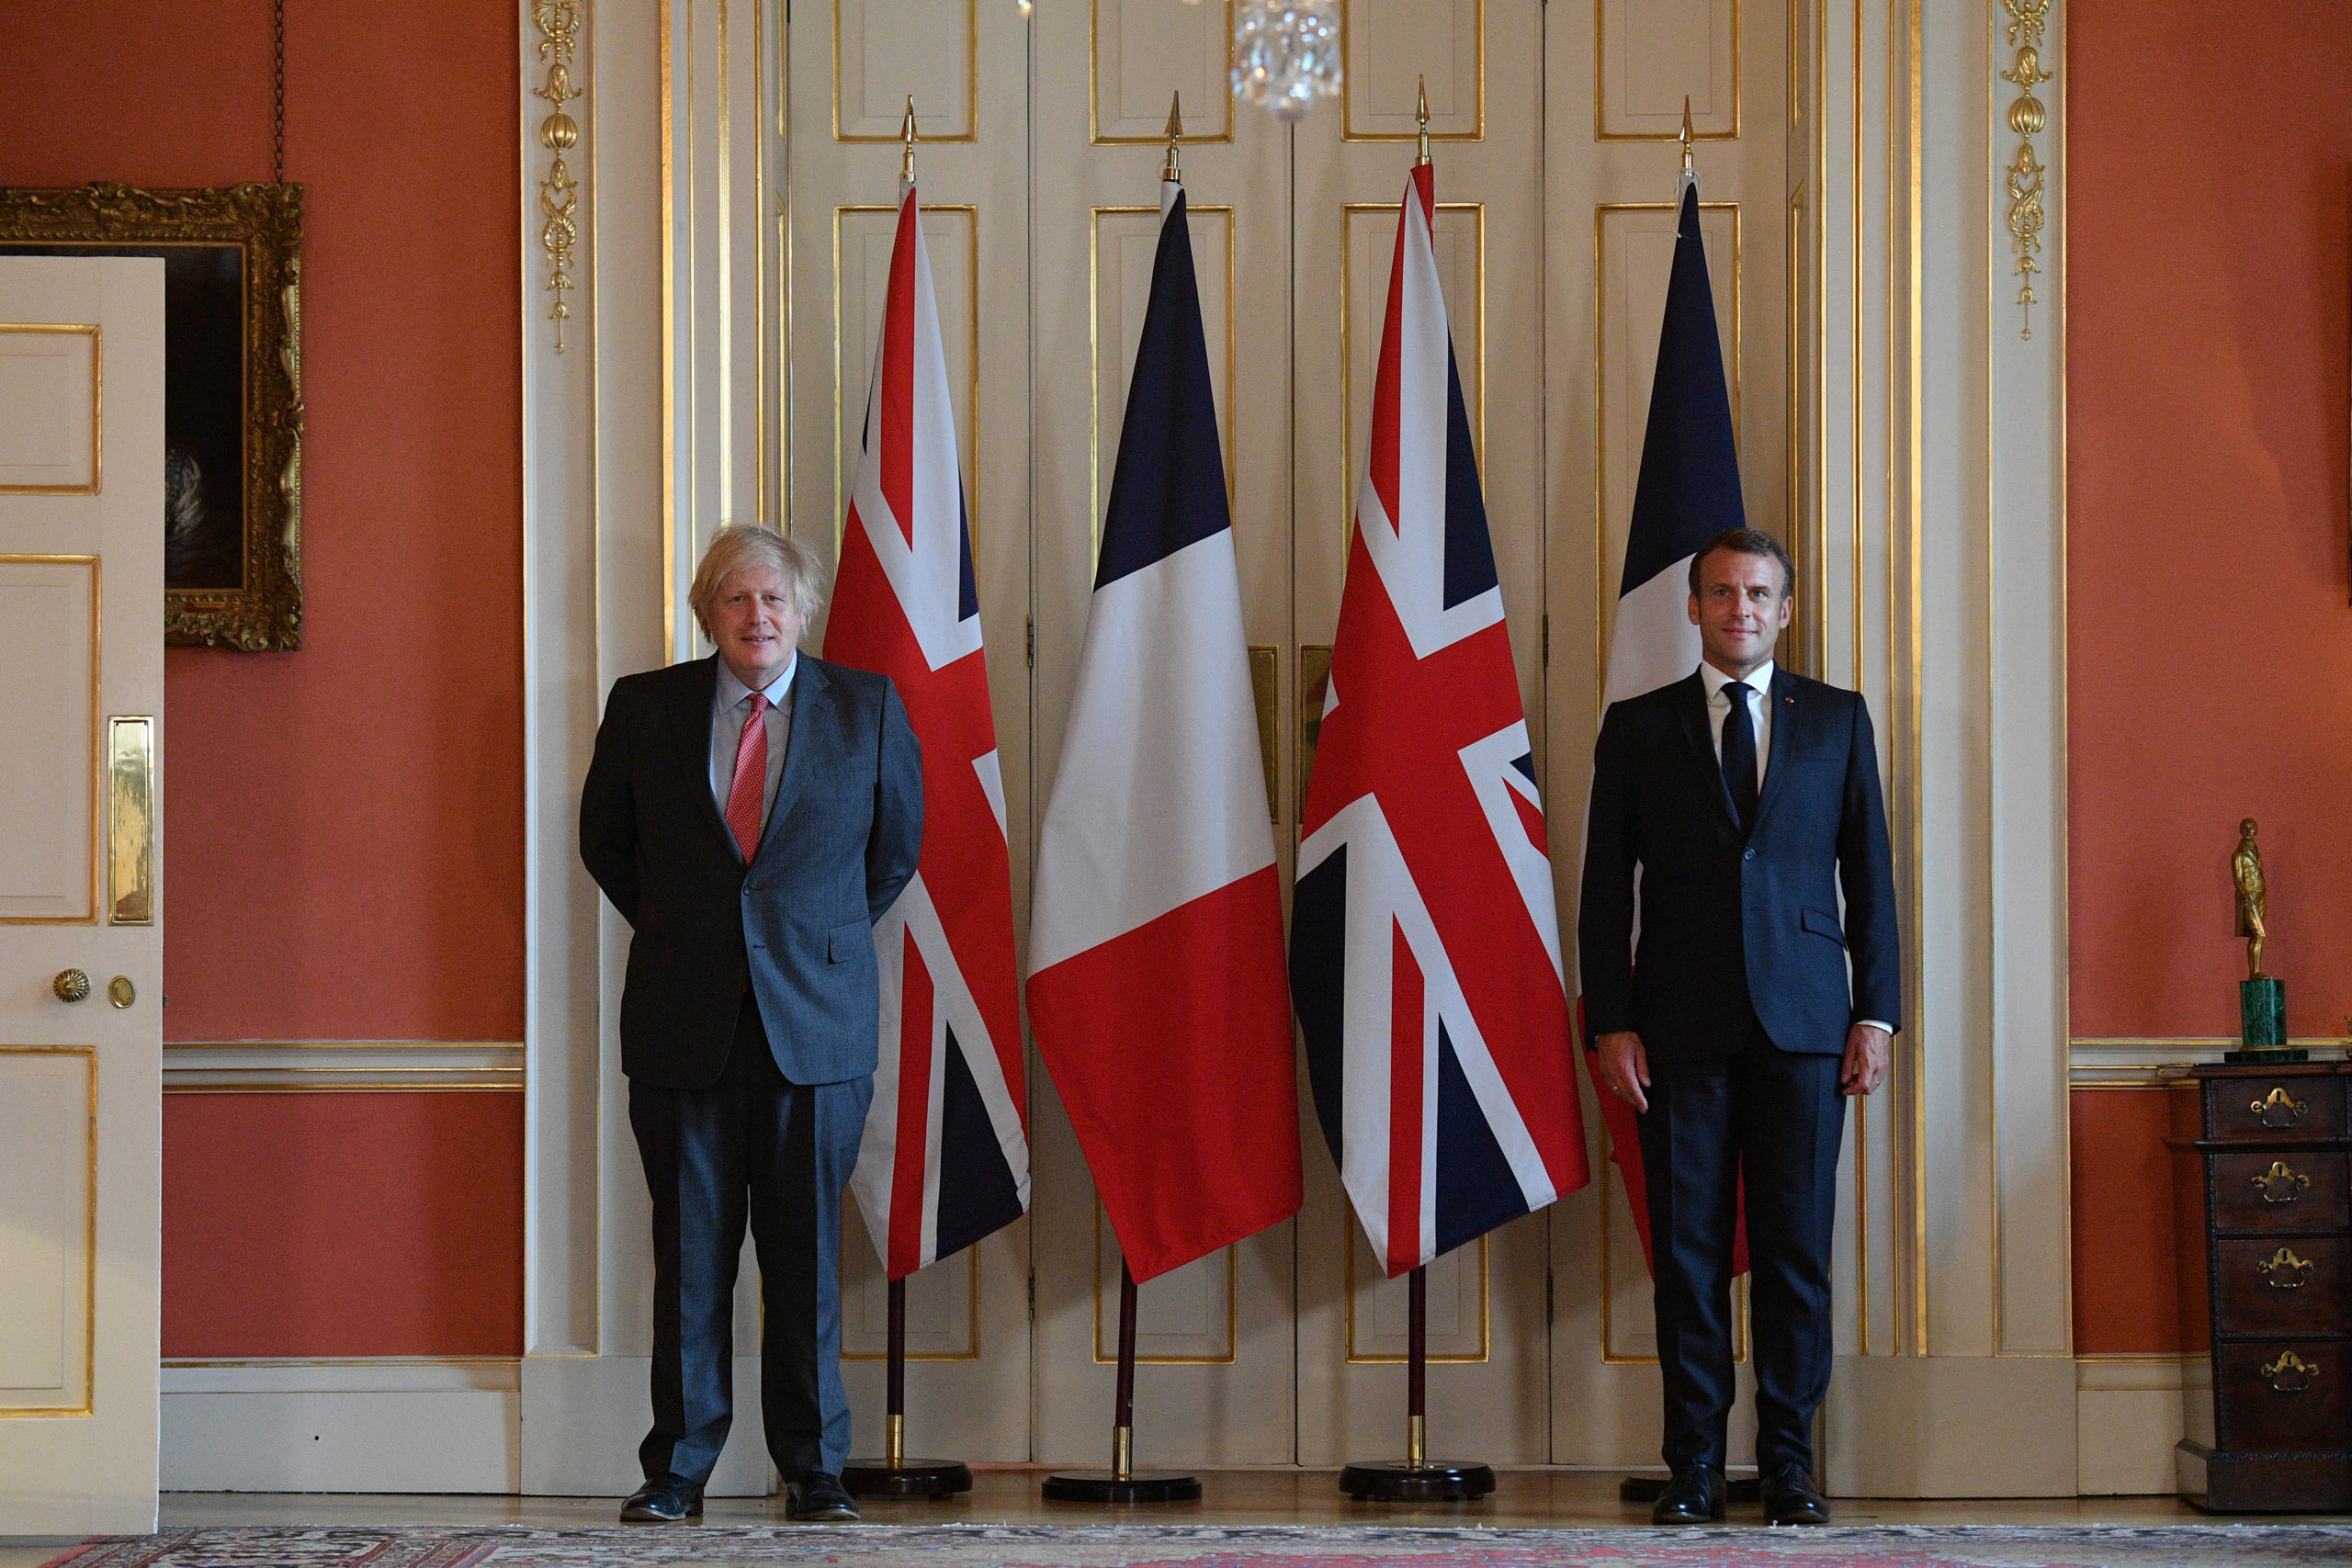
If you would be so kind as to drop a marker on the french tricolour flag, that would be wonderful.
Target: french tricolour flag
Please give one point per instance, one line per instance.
(1688, 492)
(1425, 945)
(1156, 981)
(945, 1156)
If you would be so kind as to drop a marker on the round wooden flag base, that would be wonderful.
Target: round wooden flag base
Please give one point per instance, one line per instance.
(1109, 1486)
(1650, 1488)
(908, 1478)
(1395, 1481)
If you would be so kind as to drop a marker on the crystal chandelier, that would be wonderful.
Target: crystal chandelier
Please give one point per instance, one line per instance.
(1286, 54)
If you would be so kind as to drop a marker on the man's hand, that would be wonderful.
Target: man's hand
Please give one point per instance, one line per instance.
(1625, 1067)
(1865, 1065)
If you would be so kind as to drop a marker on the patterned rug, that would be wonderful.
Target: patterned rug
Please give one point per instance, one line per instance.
(982, 1545)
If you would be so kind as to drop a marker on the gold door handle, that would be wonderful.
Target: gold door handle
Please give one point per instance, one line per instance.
(2290, 1373)
(2284, 1270)
(2280, 1185)
(2280, 1101)
(71, 984)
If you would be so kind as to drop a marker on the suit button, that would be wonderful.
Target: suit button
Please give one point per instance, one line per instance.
(1749, 855)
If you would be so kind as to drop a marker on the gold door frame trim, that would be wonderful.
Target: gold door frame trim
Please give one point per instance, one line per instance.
(1094, 360)
(973, 1252)
(97, 404)
(1604, 624)
(1351, 472)
(1347, 1271)
(1738, 71)
(971, 84)
(972, 481)
(89, 1053)
(1232, 1311)
(97, 746)
(1093, 94)
(1348, 132)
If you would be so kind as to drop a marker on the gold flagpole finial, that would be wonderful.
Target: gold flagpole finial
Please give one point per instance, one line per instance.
(1688, 165)
(907, 130)
(1421, 113)
(1169, 170)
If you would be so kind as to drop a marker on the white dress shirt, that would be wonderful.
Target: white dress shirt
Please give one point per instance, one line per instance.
(1760, 717)
(1760, 711)
(728, 707)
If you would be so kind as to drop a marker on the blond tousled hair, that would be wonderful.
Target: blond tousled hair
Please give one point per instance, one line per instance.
(739, 545)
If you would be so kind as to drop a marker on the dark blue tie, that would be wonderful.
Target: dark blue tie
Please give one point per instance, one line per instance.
(1739, 755)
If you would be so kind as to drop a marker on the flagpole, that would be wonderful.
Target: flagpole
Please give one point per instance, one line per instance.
(1122, 1483)
(894, 1475)
(1418, 1479)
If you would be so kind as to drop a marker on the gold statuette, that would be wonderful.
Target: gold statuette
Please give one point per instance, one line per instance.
(2245, 872)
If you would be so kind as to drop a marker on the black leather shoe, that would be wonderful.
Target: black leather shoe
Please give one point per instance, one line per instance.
(665, 1500)
(1695, 1496)
(817, 1498)
(1791, 1498)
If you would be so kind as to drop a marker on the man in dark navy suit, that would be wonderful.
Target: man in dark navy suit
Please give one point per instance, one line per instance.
(1745, 798)
(750, 815)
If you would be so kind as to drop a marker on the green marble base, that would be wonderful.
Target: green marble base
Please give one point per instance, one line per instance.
(2262, 1022)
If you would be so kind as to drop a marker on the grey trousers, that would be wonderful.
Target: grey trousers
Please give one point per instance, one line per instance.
(757, 1146)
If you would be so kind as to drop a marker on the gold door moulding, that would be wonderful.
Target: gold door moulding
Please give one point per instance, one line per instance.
(1094, 357)
(1222, 98)
(1605, 623)
(1355, 1358)
(98, 743)
(1738, 68)
(89, 1055)
(2023, 182)
(1349, 469)
(1477, 131)
(559, 23)
(971, 131)
(1232, 1311)
(264, 224)
(97, 402)
(970, 437)
(131, 837)
(972, 1331)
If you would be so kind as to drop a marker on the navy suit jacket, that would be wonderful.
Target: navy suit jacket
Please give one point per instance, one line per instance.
(1730, 922)
(797, 923)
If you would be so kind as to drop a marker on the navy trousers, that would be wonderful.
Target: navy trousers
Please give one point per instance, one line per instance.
(1780, 1116)
(751, 1145)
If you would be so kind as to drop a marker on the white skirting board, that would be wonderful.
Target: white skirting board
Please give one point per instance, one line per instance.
(1952, 1426)
(550, 1427)
(2130, 1413)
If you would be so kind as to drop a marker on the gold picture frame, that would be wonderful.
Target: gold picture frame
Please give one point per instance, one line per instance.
(233, 490)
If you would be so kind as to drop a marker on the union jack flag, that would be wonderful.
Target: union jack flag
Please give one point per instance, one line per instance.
(1425, 945)
(945, 1156)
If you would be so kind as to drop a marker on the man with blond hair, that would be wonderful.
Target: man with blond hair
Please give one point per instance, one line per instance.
(750, 815)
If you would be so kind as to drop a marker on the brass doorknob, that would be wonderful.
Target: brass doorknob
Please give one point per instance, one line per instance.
(71, 984)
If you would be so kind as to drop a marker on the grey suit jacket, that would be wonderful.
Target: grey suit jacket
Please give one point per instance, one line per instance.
(795, 924)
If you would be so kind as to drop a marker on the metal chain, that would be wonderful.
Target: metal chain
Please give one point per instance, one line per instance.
(278, 89)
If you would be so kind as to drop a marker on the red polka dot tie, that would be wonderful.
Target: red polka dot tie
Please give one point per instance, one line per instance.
(746, 796)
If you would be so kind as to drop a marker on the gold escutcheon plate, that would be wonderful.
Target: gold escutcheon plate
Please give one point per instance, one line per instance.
(120, 991)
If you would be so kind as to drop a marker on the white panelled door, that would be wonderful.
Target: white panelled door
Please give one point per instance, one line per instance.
(80, 941)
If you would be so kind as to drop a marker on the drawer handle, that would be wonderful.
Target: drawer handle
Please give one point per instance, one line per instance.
(2284, 1270)
(2279, 1185)
(2290, 1373)
(2280, 1101)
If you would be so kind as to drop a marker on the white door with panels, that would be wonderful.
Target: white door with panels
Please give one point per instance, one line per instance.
(81, 943)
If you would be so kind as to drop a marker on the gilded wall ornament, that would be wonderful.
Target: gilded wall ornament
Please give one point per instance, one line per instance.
(558, 22)
(2023, 180)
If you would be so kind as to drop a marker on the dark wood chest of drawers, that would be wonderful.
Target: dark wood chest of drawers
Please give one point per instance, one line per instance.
(2263, 1163)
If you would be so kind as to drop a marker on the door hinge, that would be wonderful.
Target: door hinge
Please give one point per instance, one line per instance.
(1033, 1295)
(1033, 642)
(1547, 1298)
(1547, 642)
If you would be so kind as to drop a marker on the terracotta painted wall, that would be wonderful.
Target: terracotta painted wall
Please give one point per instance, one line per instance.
(346, 1225)
(2211, 643)
(345, 824)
